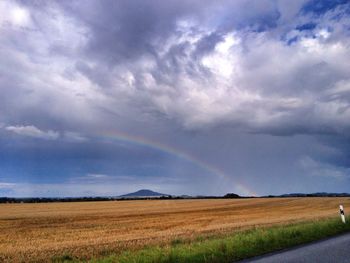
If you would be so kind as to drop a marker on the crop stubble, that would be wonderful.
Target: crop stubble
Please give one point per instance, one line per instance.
(39, 232)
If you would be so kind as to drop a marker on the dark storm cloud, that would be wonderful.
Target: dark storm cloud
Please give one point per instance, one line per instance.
(168, 44)
(126, 29)
(196, 76)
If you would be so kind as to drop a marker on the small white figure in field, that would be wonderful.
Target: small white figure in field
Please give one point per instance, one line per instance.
(342, 215)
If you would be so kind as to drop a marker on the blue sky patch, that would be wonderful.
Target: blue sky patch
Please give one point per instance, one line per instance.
(320, 7)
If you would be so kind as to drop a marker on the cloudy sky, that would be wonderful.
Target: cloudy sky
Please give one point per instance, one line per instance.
(182, 97)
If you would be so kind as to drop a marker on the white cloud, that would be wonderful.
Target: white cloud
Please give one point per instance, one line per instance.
(97, 176)
(224, 58)
(14, 14)
(32, 131)
(248, 78)
(257, 81)
(74, 137)
(6, 185)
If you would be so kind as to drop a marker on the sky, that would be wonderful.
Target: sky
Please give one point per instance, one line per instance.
(102, 98)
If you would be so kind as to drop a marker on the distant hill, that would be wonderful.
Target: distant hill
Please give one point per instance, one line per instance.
(144, 193)
(231, 195)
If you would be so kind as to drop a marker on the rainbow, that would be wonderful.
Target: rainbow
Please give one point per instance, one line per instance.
(140, 141)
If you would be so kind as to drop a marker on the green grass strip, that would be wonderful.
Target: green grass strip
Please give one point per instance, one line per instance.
(237, 246)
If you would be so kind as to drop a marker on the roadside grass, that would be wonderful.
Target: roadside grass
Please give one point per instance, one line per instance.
(228, 248)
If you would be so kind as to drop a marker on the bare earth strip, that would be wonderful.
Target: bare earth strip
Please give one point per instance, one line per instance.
(39, 232)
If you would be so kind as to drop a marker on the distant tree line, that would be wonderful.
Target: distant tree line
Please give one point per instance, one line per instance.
(93, 199)
(52, 199)
(322, 194)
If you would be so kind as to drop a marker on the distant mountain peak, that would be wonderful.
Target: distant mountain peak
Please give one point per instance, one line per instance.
(143, 193)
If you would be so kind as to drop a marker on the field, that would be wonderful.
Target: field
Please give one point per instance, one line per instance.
(42, 232)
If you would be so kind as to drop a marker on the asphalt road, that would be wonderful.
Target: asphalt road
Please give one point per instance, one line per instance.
(336, 249)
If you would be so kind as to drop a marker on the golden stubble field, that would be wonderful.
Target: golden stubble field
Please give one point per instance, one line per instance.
(40, 232)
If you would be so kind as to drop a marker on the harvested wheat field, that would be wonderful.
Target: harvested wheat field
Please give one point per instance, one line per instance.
(42, 232)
